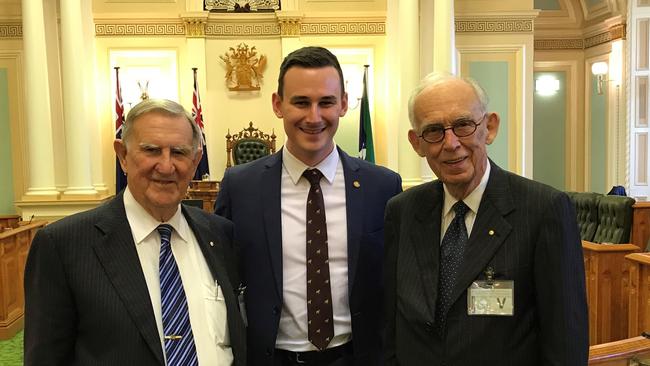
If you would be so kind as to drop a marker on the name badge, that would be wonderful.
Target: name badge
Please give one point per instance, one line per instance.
(491, 298)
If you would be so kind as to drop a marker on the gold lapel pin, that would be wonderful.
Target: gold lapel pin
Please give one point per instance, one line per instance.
(356, 184)
(491, 232)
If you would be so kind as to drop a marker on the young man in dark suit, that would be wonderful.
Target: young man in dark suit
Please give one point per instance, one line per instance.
(142, 279)
(312, 248)
(483, 267)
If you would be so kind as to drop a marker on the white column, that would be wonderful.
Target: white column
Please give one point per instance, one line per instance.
(76, 117)
(402, 30)
(444, 36)
(37, 101)
(92, 106)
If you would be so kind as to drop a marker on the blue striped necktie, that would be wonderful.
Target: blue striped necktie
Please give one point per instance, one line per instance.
(451, 258)
(179, 340)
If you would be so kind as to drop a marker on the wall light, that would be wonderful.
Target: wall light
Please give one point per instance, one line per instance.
(599, 69)
(547, 85)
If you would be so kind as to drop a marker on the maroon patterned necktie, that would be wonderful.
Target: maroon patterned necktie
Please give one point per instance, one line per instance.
(319, 293)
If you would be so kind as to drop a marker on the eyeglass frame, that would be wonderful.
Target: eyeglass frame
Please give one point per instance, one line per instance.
(454, 125)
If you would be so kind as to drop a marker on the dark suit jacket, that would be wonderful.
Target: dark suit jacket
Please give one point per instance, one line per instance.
(535, 242)
(250, 197)
(86, 299)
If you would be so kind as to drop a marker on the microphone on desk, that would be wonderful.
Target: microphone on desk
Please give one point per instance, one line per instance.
(30, 219)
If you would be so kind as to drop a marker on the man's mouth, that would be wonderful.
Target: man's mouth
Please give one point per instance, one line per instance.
(455, 161)
(312, 130)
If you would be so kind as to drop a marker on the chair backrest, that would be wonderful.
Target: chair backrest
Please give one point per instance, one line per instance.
(614, 219)
(586, 205)
(247, 145)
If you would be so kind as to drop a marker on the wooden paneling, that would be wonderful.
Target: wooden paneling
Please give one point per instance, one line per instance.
(606, 273)
(205, 190)
(14, 246)
(640, 224)
(639, 303)
(8, 221)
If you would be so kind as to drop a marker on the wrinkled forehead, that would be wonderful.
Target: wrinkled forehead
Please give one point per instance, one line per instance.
(446, 102)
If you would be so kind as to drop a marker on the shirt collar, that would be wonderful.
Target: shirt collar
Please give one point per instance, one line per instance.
(473, 200)
(295, 167)
(143, 224)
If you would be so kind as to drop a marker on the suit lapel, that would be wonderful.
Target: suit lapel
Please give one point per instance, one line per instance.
(354, 211)
(270, 186)
(489, 231)
(425, 236)
(118, 256)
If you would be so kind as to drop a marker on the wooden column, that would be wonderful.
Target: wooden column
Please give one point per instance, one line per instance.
(606, 273)
(14, 246)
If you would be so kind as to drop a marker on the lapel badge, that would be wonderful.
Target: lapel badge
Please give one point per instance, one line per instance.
(356, 184)
(491, 232)
(211, 243)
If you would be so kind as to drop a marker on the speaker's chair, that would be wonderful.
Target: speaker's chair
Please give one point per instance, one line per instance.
(614, 219)
(247, 145)
(586, 205)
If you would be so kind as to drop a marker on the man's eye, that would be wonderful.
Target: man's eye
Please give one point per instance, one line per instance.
(463, 123)
(433, 130)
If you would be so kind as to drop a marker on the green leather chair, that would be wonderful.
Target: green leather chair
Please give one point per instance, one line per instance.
(614, 219)
(248, 145)
(586, 205)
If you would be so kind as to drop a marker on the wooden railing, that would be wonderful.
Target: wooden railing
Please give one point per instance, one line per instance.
(626, 352)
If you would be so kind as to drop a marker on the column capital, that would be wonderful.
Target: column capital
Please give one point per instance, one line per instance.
(289, 22)
(195, 23)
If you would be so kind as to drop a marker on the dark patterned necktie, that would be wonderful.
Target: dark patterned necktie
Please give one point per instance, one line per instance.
(319, 294)
(451, 257)
(179, 340)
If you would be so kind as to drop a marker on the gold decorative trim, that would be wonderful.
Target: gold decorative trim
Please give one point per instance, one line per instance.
(494, 26)
(348, 28)
(241, 29)
(289, 27)
(613, 33)
(194, 27)
(559, 44)
(151, 29)
(12, 30)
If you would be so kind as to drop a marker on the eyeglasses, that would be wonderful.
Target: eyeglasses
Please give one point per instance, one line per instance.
(461, 128)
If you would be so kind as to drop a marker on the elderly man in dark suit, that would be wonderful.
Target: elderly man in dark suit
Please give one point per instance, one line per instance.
(141, 280)
(483, 267)
(310, 223)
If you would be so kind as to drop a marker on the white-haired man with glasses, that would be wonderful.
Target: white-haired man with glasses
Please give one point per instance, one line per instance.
(483, 267)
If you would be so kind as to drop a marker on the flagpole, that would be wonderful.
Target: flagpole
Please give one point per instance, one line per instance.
(366, 145)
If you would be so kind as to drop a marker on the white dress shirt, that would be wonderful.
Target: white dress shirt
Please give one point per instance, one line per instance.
(292, 333)
(473, 201)
(205, 301)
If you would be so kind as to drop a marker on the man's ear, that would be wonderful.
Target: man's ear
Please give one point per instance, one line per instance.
(493, 121)
(276, 100)
(415, 142)
(344, 104)
(120, 150)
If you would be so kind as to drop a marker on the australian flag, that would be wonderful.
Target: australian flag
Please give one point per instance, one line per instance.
(197, 114)
(366, 147)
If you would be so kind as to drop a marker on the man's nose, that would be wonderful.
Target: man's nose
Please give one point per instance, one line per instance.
(165, 163)
(450, 140)
(314, 113)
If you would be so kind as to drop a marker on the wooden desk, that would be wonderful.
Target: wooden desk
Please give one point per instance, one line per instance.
(14, 246)
(640, 232)
(206, 190)
(620, 353)
(606, 274)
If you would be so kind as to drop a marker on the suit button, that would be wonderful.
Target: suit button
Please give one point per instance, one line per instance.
(269, 352)
(276, 310)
